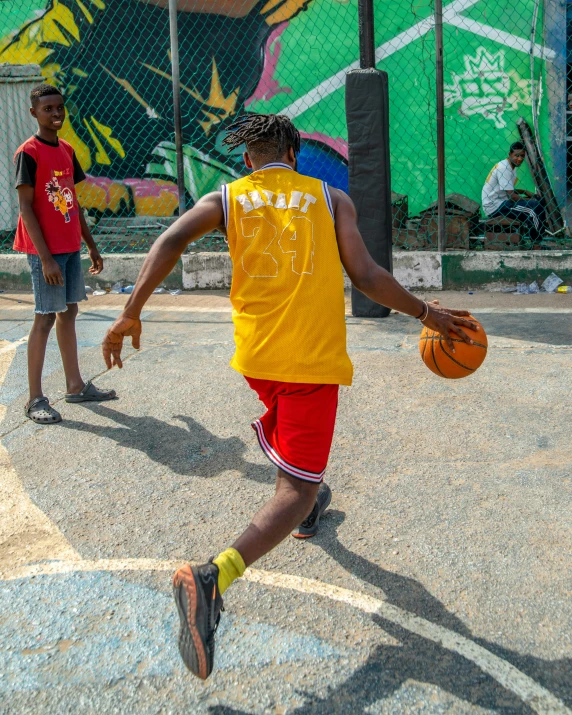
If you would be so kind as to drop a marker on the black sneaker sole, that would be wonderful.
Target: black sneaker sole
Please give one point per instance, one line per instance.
(191, 646)
(304, 533)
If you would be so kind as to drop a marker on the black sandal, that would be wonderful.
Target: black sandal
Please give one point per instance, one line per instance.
(91, 393)
(40, 411)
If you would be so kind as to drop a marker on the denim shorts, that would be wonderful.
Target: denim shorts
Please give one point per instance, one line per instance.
(55, 299)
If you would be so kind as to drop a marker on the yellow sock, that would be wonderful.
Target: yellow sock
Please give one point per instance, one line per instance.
(230, 567)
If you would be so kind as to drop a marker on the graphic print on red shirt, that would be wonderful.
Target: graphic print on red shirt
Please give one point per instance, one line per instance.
(61, 198)
(53, 171)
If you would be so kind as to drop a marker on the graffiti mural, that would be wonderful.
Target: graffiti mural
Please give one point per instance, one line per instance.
(111, 60)
(486, 88)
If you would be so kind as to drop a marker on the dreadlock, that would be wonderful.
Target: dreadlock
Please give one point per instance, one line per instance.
(265, 135)
(43, 90)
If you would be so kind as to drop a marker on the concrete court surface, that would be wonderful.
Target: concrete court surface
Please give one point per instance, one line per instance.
(440, 579)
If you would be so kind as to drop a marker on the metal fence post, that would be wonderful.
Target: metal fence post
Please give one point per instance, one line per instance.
(366, 39)
(439, 86)
(177, 104)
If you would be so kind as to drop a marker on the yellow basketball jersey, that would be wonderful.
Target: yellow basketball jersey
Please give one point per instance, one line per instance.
(287, 282)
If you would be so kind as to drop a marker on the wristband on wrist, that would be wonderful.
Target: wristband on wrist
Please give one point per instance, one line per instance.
(424, 313)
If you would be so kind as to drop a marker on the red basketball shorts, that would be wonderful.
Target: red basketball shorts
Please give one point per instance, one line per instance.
(297, 429)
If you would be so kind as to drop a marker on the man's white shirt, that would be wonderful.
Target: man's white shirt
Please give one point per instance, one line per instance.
(500, 181)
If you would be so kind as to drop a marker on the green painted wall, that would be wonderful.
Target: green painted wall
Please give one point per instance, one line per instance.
(282, 56)
(487, 78)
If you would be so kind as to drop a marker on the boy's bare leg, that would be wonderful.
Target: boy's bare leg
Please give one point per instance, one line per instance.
(67, 341)
(37, 342)
(293, 501)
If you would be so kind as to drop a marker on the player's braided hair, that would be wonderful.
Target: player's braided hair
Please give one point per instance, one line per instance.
(265, 135)
(43, 90)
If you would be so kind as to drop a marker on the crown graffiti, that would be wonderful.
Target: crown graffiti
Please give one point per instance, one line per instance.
(485, 63)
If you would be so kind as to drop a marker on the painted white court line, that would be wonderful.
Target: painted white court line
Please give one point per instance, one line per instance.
(20, 518)
(529, 691)
(93, 309)
(228, 309)
(516, 311)
(14, 345)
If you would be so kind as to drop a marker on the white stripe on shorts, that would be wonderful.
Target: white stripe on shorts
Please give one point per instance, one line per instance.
(276, 459)
(530, 212)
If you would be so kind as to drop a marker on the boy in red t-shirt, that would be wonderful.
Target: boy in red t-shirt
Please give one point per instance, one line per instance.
(50, 228)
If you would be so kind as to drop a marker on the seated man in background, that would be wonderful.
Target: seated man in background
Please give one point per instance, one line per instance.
(501, 198)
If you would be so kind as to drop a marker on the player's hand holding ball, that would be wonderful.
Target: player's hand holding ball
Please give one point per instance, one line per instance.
(445, 321)
(451, 345)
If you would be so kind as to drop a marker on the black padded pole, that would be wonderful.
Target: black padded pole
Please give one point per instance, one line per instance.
(367, 113)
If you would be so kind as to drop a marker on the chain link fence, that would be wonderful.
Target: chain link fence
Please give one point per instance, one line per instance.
(507, 78)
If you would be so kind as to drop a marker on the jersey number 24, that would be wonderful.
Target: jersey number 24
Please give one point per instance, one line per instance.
(259, 259)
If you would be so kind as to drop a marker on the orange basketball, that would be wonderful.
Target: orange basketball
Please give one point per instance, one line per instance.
(465, 360)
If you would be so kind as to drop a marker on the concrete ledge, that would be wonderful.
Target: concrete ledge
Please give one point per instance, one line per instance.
(125, 269)
(418, 269)
(214, 270)
(453, 270)
(15, 271)
(204, 271)
(492, 270)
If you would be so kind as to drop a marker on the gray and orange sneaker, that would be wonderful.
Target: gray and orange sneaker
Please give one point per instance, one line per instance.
(199, 602)
(309, 527)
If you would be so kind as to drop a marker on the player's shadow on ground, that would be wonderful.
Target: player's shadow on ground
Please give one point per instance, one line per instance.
(422, 660)
(418, 659)
(189, 450)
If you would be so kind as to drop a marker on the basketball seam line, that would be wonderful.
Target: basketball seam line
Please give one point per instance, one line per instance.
(434, 358)
(460, 364)
(424, 349)
(455, 340)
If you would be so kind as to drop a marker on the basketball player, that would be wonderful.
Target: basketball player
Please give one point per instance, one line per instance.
(288, 237)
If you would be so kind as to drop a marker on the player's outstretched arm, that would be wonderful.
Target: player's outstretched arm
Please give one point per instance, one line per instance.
(379, 285)
(207, 215)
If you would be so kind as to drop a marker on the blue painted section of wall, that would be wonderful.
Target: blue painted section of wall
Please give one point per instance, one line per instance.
(555, 28)
(318, 161)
